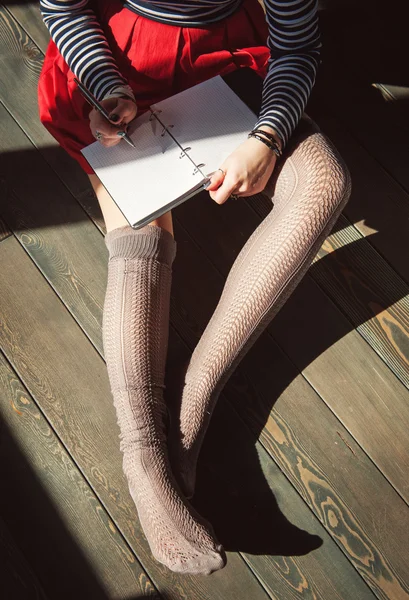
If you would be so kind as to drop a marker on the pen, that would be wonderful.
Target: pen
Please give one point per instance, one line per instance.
(94, 102)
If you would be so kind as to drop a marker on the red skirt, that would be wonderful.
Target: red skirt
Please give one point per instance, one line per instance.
(157, 60)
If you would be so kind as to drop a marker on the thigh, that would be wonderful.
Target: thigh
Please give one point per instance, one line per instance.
(114, 218)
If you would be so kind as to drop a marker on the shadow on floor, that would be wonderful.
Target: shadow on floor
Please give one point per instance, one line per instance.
(241, 505)
(60, 566)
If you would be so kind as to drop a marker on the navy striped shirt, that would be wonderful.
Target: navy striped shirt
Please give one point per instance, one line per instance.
(293, 40)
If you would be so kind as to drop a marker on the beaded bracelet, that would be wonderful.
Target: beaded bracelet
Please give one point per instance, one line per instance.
(266, 133)
(270, 143)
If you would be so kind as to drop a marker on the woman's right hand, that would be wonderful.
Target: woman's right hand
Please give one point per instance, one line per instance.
(121, 111)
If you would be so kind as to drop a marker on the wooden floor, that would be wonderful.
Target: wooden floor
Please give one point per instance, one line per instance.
(304, 472)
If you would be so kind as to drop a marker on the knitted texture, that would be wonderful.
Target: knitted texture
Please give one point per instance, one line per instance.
(135, 338)
(309, 190)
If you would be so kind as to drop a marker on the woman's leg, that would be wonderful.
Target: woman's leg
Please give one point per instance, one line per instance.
(112, 215)
(135, 338)
(311, 187)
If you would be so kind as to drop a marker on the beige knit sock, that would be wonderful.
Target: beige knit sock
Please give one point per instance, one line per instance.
(312, 186)
(135, 337)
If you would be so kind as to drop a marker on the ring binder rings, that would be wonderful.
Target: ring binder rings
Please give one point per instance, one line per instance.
(166, 129)
(202, 124)
(153, 113)
(197, 168)
(184, 150)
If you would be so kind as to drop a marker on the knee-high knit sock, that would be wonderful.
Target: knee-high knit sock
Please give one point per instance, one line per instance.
(311, 189)
(135, 337)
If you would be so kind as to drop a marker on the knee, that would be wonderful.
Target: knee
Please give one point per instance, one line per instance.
(334, 178)
(313, 172)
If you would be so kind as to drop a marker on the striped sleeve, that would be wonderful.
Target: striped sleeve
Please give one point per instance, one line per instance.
(74, 28)
(294, 42)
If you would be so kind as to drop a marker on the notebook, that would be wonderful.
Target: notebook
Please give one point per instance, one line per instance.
(179, 143)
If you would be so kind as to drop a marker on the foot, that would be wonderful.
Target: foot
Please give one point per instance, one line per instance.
(184, 468)
(178, 536)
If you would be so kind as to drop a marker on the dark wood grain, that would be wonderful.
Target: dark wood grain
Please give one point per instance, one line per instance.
(356, 385)
(72, 538)
(366, 288)
(18, 581)
(274, 379)
(4, 230)
(80, 410)
(379, 206)
(254, 488)
(52, 227)
(328, 468)
(63, 372)
(362, 48)
(350, 377)
(318, 471)
(28, 16)
(394, 351)
(22, 61)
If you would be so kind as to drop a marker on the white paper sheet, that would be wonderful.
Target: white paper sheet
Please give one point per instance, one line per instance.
(210, 119)
(142, 180)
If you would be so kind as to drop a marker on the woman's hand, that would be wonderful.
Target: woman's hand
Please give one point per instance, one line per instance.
(121, 111)
(247, 169)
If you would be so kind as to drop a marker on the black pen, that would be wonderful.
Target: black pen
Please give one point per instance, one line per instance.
(94, 102)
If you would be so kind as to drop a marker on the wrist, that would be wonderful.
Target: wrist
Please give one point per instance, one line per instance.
(267, 139)
(274, 133)
(121, 91)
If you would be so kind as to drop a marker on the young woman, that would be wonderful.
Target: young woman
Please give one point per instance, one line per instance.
(131, 54)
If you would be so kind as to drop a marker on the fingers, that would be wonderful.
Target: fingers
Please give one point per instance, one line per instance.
(224, 192)
(216, 180)
(121, 112)
(222, 185)
(108, 134)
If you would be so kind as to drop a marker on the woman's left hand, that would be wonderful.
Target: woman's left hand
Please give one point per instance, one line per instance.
(247, 169)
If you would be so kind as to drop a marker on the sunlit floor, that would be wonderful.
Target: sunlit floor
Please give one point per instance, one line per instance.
(304, 469)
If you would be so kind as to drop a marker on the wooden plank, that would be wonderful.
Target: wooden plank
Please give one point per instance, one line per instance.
(395, 351)
(21, 61)
(226, 244)
(366, 289)
(52, 227)
(311, 348)
(45, 361)
(213, 290)
(28, 16)
(18, 581)
(357, 386)
(4, 230)
(62, 371)
(60, 523)
(329, 469)
(359, 53)
(378, 207)
(254, 508)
